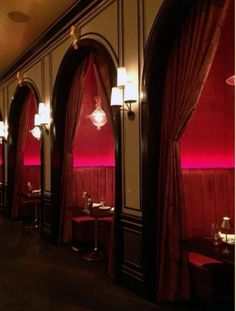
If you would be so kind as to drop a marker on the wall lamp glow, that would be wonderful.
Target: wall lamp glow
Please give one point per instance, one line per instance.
(3, 131)
(124, 93)
(42, 121)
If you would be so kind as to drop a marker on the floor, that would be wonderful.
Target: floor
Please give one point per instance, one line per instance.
(37, 276)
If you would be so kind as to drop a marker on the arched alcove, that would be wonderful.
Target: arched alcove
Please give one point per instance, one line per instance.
(207, 145)
(24, 154)
(160, 151)
(84, 154)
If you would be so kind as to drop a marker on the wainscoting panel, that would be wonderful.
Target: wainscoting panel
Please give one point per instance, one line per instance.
(46, 218)
(132, 272)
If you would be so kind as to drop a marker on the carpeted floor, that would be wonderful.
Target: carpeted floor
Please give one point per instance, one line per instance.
(37, 276)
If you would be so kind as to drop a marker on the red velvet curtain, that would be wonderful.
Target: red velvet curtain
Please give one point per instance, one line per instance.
(188, 66)
(23, 129)
(104, 89)
(67, 182)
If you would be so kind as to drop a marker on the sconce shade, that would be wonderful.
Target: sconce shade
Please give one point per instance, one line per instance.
(2, 129)
(41, 108)
(42, 120)
(130, 92)
(116, 97)
(44, 114)
(36, 132)
(121, 76)
(37, 119)
(225, 224)
(98, 116)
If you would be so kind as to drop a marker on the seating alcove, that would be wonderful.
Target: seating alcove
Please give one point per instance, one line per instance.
(24, 154)
(71, 64)
(160, 44)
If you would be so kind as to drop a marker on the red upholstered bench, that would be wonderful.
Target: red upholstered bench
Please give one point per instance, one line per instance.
(210, 279)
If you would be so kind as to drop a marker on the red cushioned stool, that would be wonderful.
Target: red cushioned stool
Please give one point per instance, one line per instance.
(210, 279)
(82, 228)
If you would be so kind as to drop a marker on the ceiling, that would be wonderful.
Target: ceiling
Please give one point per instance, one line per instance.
(22, 22)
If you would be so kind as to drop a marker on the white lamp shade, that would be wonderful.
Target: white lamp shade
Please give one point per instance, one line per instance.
(116, 96)
(2, 129)
(42, 108)
(121, 76)
(130, 92)
(36, 132)
(37, 119)
(44, 115)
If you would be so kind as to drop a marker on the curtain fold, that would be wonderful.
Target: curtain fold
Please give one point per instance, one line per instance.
(23, 129)
(104, 89)
(188, 66)
(67, 181)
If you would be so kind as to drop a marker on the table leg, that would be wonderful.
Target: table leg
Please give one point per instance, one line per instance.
(95, 254)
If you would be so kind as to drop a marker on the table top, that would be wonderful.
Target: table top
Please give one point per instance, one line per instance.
(205, 246)
(98, 212)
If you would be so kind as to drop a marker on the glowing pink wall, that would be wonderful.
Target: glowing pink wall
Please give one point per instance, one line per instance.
(208, 140)
(32, 145)
(92, 147)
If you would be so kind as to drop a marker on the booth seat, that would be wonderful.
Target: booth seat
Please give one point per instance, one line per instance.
(210, 279)
(32, 174)
(209, 195)
(31, 182)
(99, 182)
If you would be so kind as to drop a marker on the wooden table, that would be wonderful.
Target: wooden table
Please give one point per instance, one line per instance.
(34, 199)
(205, 246)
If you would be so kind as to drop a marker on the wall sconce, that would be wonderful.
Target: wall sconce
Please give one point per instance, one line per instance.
(124, 93)
(42, 121)
(74, 37)
(98, 116)
(3, 131)
(36, 132)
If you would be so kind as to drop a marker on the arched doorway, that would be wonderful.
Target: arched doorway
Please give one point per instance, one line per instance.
(161, 129)
(92, 65)
(23, 156)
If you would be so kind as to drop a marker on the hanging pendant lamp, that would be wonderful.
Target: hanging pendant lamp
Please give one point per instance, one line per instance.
(98, 116)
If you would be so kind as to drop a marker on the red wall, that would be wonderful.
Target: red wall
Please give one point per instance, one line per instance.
(208, 140)
(92, 147)
(32, 145)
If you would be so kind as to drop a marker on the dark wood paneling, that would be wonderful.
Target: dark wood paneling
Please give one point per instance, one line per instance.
(132, 272)
(46, 228)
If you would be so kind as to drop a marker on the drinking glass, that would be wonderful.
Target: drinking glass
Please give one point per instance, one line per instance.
(215, 233)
